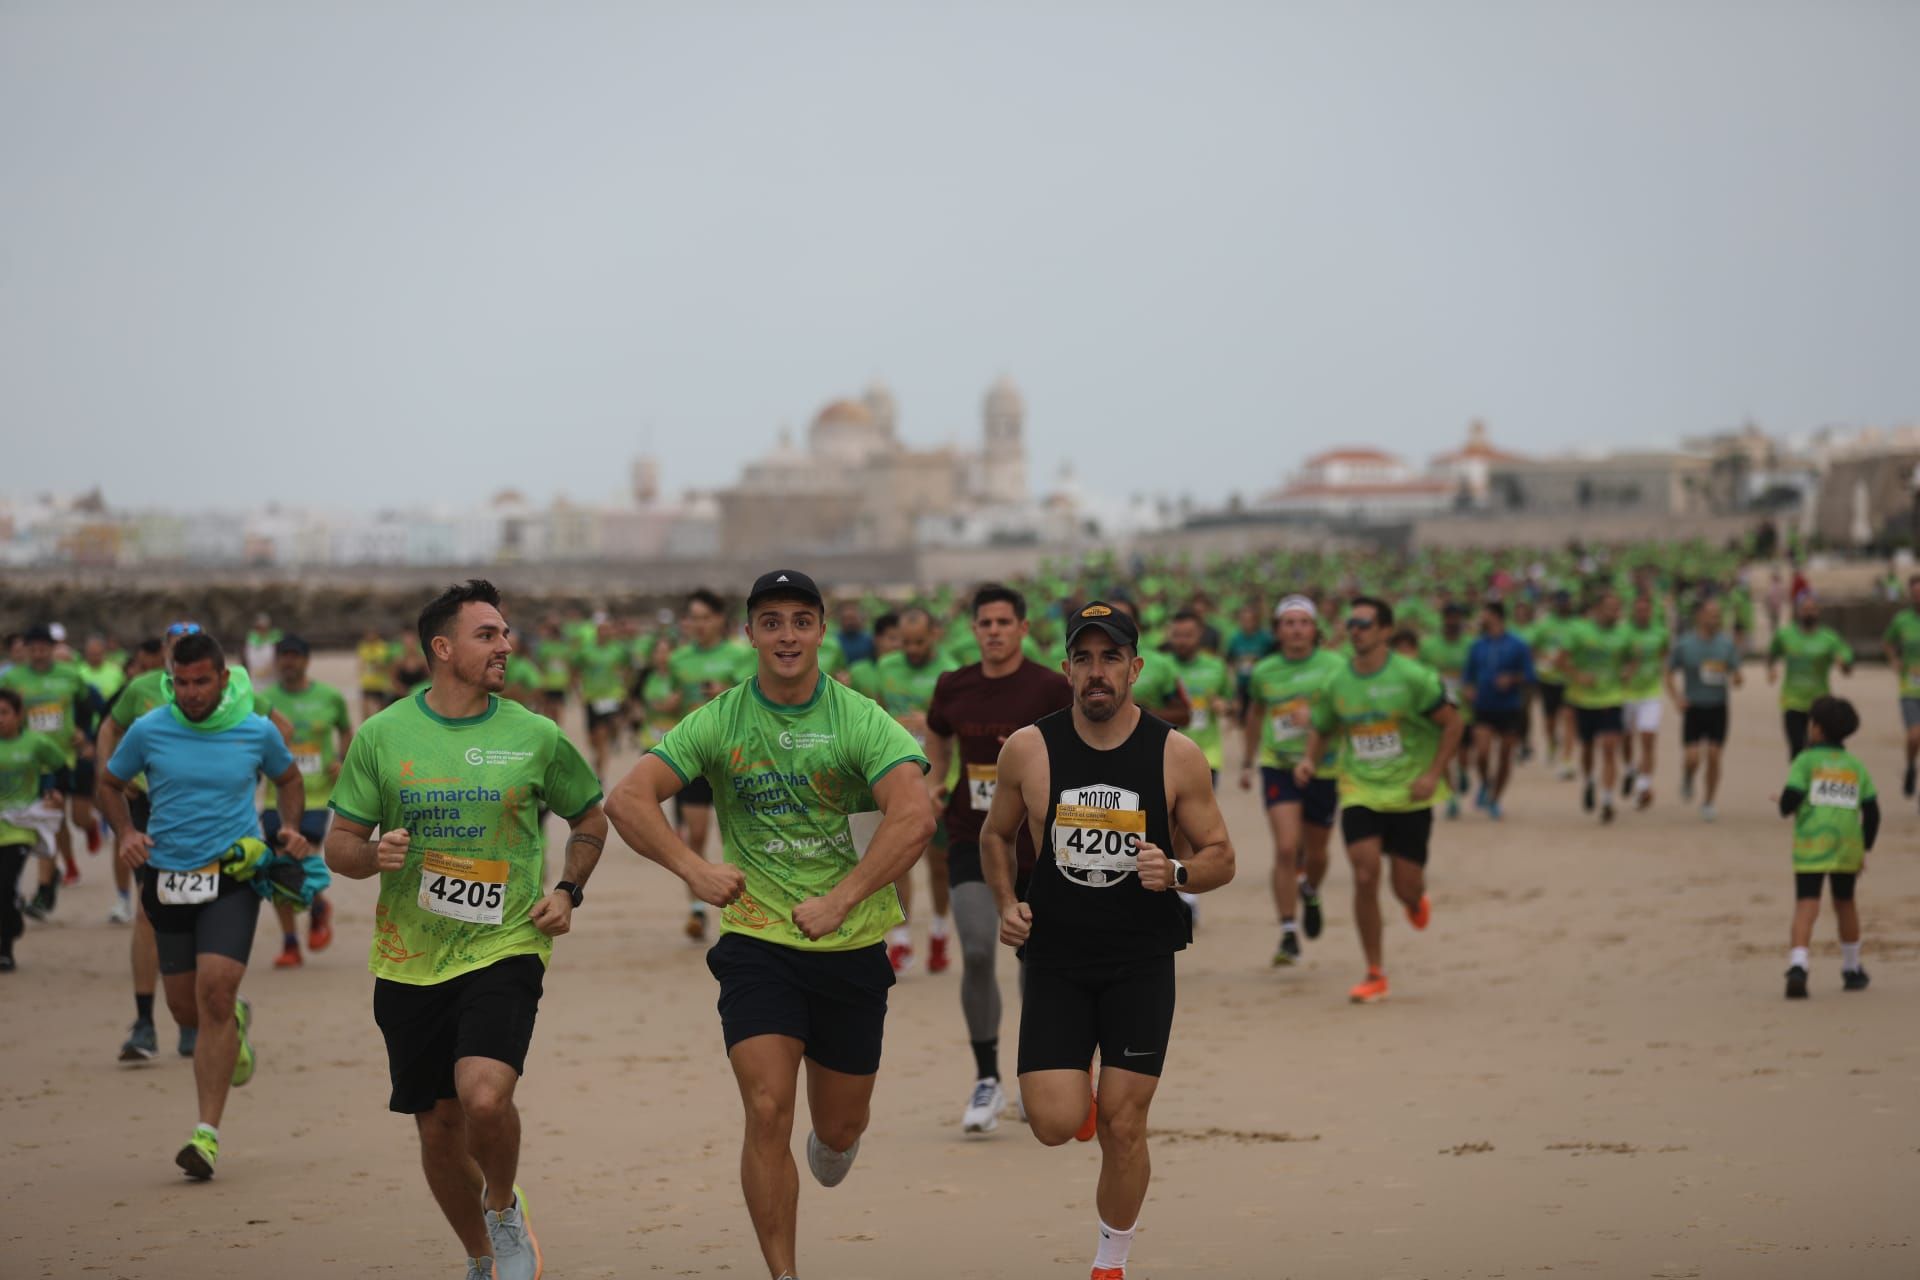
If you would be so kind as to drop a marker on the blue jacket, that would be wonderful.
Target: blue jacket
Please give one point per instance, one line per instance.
(1491, 656)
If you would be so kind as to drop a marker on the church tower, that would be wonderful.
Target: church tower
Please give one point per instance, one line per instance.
(1003, 459)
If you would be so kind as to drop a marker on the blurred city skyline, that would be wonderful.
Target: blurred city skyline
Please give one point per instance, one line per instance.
(372, 256)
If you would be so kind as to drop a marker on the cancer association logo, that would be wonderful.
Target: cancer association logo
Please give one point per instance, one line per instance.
(492, 755)
(806, 741)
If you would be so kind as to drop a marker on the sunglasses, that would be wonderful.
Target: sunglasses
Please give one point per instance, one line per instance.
(184, 629)
(1361, 624)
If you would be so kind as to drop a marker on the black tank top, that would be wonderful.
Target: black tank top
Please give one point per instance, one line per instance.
(1088, 906)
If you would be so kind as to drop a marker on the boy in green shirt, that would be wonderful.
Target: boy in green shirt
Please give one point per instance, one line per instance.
(1836, 814)
(1810, 652)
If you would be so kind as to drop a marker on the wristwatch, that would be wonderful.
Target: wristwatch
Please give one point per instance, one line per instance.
(1179, 874)
(572, 890)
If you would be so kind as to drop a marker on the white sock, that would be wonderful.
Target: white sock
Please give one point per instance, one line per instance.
(1114, 1244)
(1849, 957)
(699, 908)
(1643, 783)
(899, 936)
(1286, 924)
(1797, 956)
(937, 928)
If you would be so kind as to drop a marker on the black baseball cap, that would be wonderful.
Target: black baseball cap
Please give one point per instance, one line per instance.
(1098, 613)
(294, 645)
(39, 633)
(785, 582)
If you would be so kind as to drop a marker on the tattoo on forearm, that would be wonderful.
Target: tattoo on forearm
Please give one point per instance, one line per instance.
(581, 837)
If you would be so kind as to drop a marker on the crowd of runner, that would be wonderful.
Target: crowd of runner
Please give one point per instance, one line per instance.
(1048, 749)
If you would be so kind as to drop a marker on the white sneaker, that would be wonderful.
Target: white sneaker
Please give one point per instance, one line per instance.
(122, 912)
(984, 1107)
(1708, 813)
(829, 1167)
(516, 1254)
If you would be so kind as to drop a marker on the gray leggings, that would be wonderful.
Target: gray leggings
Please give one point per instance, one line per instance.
(978, 925)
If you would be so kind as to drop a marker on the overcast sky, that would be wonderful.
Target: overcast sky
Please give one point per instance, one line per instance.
(366, 253)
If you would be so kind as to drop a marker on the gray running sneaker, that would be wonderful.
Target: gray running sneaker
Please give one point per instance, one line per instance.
(829, 1167)
(479, 1269)
(189, 1037)
(142, 1045)
(516, 1254)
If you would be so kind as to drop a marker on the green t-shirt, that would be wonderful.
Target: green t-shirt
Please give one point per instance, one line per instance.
(317, 714)
(793, 788)
(603, 675)
(143, 693)
(1449, 658)
(522, 673)
(704, 674)
(1810, 656)
(1827, 835)
(1284, 690)
(469, 793)
(1903, 634)
(903, 688)
(1209, 683)
(556, 666)
(1548, 639)
(1598, 656)
(1159, 680)
(107, 679)
(1648, 647)
(861, 676)
(1387, 733)
(656, 692)
(24, 758)
(49, 697)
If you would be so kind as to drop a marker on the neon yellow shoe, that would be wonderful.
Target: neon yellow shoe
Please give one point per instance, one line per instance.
(243, 1064)
(200, 1154)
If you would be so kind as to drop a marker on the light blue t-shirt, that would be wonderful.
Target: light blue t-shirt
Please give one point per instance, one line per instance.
(201, 783)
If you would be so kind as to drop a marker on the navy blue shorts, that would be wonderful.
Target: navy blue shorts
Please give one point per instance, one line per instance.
(313, 825)
(1318, 801)
(833, 1002)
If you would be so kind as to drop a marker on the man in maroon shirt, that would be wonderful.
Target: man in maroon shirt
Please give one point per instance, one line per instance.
(979, 706)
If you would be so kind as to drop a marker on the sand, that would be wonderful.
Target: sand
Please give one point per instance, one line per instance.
(1586, 1067)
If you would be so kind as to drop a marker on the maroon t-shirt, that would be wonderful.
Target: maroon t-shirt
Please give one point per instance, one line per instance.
(980, 713)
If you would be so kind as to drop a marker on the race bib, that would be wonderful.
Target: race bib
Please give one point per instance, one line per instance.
(189, 888)
(1090, 839)
(982, 781)
(605, 706)
(306, 758)
(46, 718)
(469, 889)
(1201, 719)
(1835, 789)
(1713, 673)
(1376, 742)
(1286, 727)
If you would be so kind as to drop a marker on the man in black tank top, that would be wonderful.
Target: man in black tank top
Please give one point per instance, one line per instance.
(1103, 787)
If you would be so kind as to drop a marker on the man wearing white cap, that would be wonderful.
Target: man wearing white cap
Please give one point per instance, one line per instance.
(1280, 694)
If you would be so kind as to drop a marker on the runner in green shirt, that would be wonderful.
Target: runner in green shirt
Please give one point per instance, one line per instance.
(1810, 652)
(1902, 643)
(455, 779)
(1281, 690)
(1596, 659)
(822, 807)
(1446, 652)
(552, 653)
(1208, 681)
(1397, 734)
(28, 763)
(659, 694)
(322, 733)
(903, 684)
(1158, 690)
(63, 706)
(1548, 641)
(99, 669)
(705, 667)
(1648, 641)
(602, 670)
(886, 639)
(1836, 815)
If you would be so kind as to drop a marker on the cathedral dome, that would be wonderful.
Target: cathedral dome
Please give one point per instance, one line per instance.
(845, 431)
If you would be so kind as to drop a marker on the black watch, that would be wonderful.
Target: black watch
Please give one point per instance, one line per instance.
(1179, 875)
(572, 890)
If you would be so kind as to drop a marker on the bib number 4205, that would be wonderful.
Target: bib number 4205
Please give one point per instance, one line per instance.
(470, 889)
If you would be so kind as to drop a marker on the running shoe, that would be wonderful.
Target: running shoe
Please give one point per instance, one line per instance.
(320, 925)
(1606, 810)
(200, 1154)
(39, 906)
(1494, 810)
(1853, 979)
(1796, 983)
(1310, 919)
(1708, 813)
(900, 956)
(7, 963)
(1453, 806)
(516, 1253)
(1288, 952)
(1481, 798)
(72, 877)
(937, 961)
(143, 1044)
(829, 1167)
(696, 926)
(289, 957)
(479, 1269)
(122, 912)
(1586, 796)
(1109, 1273)
(93, 838)
(1373, 989)
(1091, 1125)
(1644, 800)
(244, 1062)
(984, 1106)
(1419, 915)
(189, 1040)
(1912, 776)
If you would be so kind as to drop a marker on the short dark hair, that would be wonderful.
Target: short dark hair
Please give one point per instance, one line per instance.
(198, 647)
(1188, 615)
(996, 593)
(1382, 611)
(1836, 717)
(1403, 636)
(153, 646)
(888, 621)
(12, 698)
(443, 609)
(1495, 607)
(700, 595)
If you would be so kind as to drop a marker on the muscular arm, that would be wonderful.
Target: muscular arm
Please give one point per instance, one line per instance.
(349, 852)
(1000, 829)
(939, 764)
(553, 914)
(1196, 817)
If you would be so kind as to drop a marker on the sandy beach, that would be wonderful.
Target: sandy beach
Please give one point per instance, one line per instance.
(1586, 1067)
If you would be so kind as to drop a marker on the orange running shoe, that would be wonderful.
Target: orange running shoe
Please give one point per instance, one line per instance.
(1421, 914)
(696, 926)
(1092, 1126)
(937, 955)
(320, 925)
(289, 957)
(1374, 988)
(1109, 1273)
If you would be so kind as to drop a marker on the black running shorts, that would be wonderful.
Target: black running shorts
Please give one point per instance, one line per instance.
(1551, 696)
(1401, 835)
(1124, 1009)
(1704, 724)
(1806, 885)
(1507, 724)
(1590, 723)
(223, 927)
(485, 1013)
(833, 1002)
